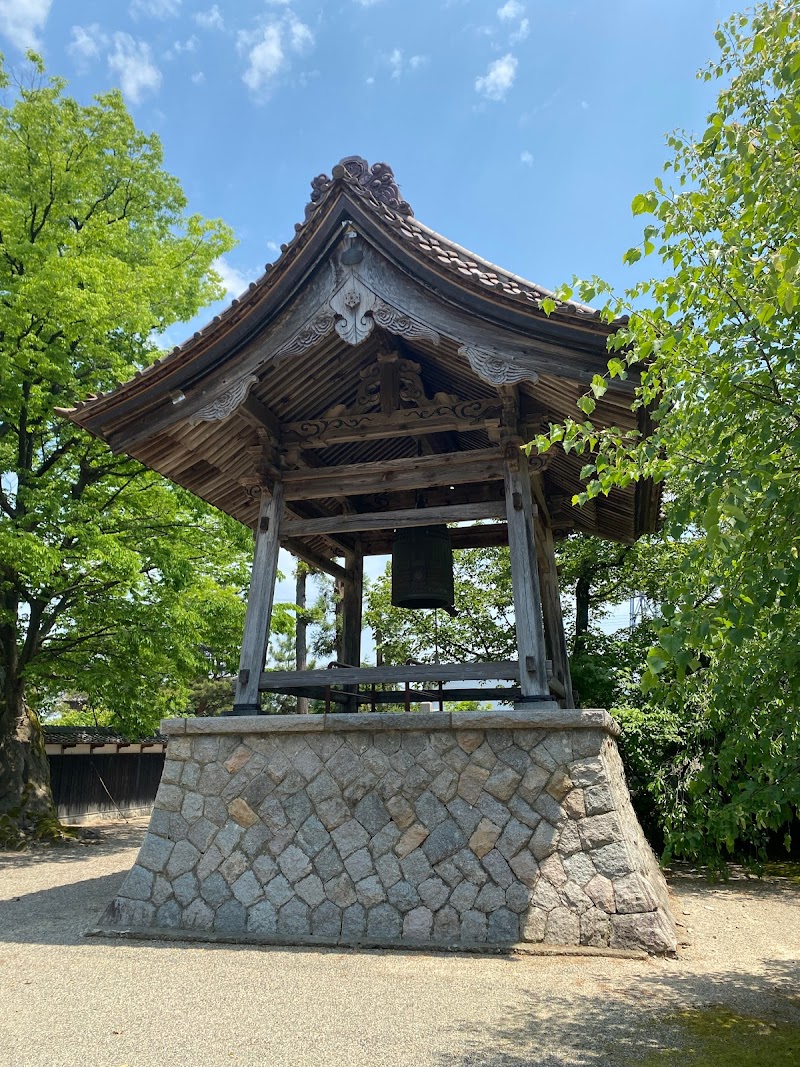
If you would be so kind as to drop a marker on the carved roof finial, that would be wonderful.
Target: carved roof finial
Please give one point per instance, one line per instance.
(377, 179)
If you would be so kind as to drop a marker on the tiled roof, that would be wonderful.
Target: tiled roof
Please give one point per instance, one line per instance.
(381, 197)
(92, 735)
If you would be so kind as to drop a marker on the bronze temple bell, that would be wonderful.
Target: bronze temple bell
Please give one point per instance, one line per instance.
(422, 568)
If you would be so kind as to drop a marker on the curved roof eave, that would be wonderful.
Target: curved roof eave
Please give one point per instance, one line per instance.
(456, 274)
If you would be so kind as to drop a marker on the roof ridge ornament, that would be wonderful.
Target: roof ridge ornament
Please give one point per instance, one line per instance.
(378, 180)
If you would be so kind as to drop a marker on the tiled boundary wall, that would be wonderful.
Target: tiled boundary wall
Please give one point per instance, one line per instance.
(476, 829)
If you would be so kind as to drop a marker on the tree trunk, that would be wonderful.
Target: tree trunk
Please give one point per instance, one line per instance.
(27, 811)
(583, 590)
(301, 631)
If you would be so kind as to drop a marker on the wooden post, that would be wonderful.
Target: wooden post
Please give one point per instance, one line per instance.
(301, 629)
(259, 602)
(553, 618)
(525, 575)
(352, 608)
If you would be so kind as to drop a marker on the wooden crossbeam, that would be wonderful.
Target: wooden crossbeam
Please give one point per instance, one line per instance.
(452, 468)
(420, 672)
(489, 535)
(315, 560)
(392, 520)
(376, 425)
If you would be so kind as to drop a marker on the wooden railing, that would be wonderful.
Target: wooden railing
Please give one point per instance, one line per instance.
(328, 684)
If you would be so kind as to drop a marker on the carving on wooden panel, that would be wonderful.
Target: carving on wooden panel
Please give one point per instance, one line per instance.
(349, 424)
(351, 304)
(537, 463)
(320, 324)
(377, 179)
(495, 369)
(402, 324)
(226, 403)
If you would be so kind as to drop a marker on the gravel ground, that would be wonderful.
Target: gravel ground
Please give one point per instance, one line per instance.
(66, 999)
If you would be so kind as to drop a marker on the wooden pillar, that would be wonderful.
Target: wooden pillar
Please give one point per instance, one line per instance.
(259, 602)
(352, 608)
(301, 629)
(553, 617)
(525, 575)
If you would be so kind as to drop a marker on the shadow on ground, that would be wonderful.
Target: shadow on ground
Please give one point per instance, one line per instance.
(95, 840)
(575, 1013)
(624, 1021)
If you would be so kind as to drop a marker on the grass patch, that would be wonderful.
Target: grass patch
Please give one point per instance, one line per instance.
(719, 1037)
(788, 869)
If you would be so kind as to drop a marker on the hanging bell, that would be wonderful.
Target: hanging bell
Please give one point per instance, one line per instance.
(422, 568)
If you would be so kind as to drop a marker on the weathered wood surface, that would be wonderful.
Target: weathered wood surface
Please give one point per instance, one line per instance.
(490, 535)
(417, 696)
(421, 672)
(301, 631)
(525, 579)
(315, 560)
(352, 603)
(259, 598)
(405, 422)
(552, 613)
(450, 468)
(391, 520)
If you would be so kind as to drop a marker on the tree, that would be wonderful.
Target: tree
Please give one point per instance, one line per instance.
(112, 582)
(714, 341)
(483, 629)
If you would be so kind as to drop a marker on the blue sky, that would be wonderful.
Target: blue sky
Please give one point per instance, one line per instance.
(519, 129)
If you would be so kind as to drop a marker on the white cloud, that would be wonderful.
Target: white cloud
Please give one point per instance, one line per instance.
(526, 157)
(133, 64)
(211, 19)
(180, 47)
(269, 50)
(156, 9)
(511, 10)
(498, 79)
(521, 32)
(21, 20)
(234, 280)
(300, 36)
(198, 78)
(87, 42)
(266, 58)
(398, 64)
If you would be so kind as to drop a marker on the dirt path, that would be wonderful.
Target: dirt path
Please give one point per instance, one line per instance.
(68, 1000)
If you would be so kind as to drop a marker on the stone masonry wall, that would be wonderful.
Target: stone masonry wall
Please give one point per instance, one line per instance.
(484, 829)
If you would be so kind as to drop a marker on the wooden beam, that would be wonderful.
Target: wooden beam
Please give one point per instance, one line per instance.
(392, 520)
(552, 614)
(259, 602)
(489, 535)
(392, 475)
(525, 578)
(419, 672)
(259, 415)
(352, 606)
(301, 630)
(508, 695)
(315, 560)
(405, 422)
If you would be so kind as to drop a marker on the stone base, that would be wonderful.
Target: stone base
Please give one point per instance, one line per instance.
(424, 830)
